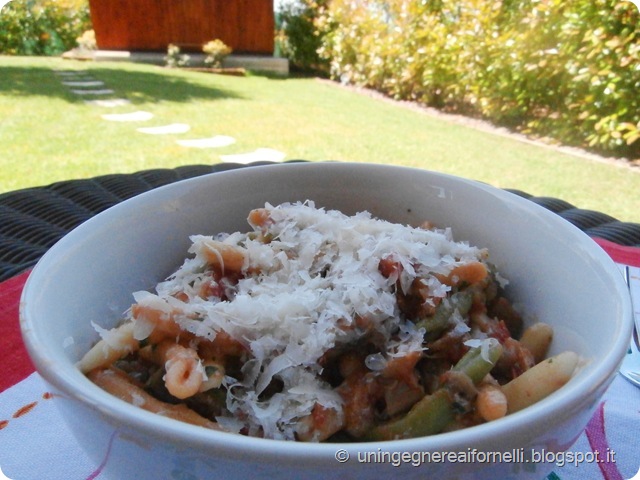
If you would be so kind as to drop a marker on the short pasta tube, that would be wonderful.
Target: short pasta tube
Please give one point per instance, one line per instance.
(537, 338)
(184, 371)
(540, 381)
(120, 385)
(228, 258)
(113, 345)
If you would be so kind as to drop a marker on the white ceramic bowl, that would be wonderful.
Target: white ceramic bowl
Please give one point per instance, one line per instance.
(557, 273)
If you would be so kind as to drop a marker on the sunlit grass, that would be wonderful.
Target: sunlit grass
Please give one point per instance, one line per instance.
(47, 134)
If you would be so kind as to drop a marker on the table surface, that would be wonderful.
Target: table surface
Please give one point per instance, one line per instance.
(33, 219)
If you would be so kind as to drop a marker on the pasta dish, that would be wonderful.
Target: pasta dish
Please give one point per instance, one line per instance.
(318, 326)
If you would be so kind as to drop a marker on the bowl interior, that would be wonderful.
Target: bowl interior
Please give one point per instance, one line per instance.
(556, 273)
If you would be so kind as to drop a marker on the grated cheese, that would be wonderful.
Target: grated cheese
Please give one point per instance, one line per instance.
(300, 296)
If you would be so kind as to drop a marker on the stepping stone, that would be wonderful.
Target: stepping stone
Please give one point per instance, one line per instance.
(213, 142)
(109, 103)
(138, 116)
(104, 91)
(69, 73)
(84, 83)
(166, 129)
(260, 154)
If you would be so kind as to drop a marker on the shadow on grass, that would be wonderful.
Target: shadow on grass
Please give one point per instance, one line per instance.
(135, 86)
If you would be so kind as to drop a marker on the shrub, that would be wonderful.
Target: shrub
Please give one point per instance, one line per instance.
(297, 37)
(87, 41)
(44, 27)
(175, 58)
(567, 70)
(216, 51)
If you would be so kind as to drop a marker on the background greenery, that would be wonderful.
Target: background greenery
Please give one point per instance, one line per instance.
(42, 27)
(48, 134)
(568, 70)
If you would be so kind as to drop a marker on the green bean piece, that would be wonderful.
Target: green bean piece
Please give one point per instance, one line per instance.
(427, 417)
(474, 365)
(434, 412)
(439, 321)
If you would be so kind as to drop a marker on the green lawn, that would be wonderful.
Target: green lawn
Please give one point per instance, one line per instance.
(48, 134)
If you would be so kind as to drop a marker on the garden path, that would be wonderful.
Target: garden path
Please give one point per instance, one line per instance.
(81, 83)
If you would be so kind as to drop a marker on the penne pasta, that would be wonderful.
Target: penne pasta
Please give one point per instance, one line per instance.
(120, 385)
(115, 344)
(162, 323)
(491, 403)
(540, 381)
(227, 258)
(537, 338)
(471, 273)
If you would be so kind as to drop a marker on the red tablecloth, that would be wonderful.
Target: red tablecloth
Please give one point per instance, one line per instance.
(18, 365)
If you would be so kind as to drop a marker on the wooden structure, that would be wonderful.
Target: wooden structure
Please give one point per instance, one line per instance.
(247, 26)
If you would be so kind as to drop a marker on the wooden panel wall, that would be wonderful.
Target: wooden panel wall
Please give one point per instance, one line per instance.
(247, 26)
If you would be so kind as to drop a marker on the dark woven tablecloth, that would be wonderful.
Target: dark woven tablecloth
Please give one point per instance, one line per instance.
(33, 219)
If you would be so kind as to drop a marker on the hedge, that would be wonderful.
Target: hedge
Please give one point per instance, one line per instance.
(42, 27)
(566, 70)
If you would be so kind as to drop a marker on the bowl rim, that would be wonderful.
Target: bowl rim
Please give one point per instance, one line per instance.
(561, 403)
